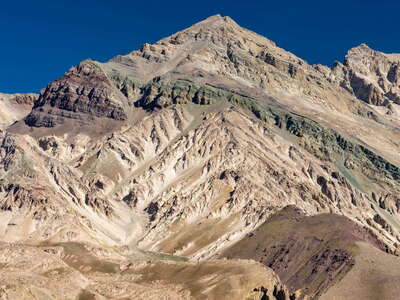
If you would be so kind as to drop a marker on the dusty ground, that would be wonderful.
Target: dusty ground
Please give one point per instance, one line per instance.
(70, 271)
(375, 275)
(316, 254)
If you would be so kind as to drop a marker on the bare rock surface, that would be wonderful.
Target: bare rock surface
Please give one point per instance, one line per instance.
(371, 75)
(83, 92)
(14, 107)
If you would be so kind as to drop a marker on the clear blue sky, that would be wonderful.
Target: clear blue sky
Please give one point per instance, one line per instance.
(41, 39)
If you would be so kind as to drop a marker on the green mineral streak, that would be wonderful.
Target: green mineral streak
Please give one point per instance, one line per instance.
(92, 63)
(163, 94)
(120, 79)
(324, 143)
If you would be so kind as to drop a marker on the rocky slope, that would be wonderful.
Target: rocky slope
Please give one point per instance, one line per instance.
(14, 107)
(370, 75)
(82, 93)
(190, 146)
(309, 253)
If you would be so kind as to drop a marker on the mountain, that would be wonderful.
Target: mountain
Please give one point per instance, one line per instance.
(210, 165)
(370, 75)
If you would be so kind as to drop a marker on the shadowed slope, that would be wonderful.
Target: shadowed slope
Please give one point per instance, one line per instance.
(312, 253)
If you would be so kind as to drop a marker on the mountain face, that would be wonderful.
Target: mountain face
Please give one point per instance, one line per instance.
(372, 76)
(210, 165)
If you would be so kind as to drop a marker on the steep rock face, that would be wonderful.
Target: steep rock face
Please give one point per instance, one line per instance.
(83, 93)
(23, 99)
(41, 198)
(372, 76)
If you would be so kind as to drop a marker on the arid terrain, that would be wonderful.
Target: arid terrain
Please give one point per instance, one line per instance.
(210, 165)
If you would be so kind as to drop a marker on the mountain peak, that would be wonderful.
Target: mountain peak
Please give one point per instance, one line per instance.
(360, 49)
(215, 18)
(363, 46)
(363, 50)
(211, 18)
(213, 22)
(203, 45)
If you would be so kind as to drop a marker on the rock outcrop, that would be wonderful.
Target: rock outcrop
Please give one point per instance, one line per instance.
(372, 76)
(83, 93)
